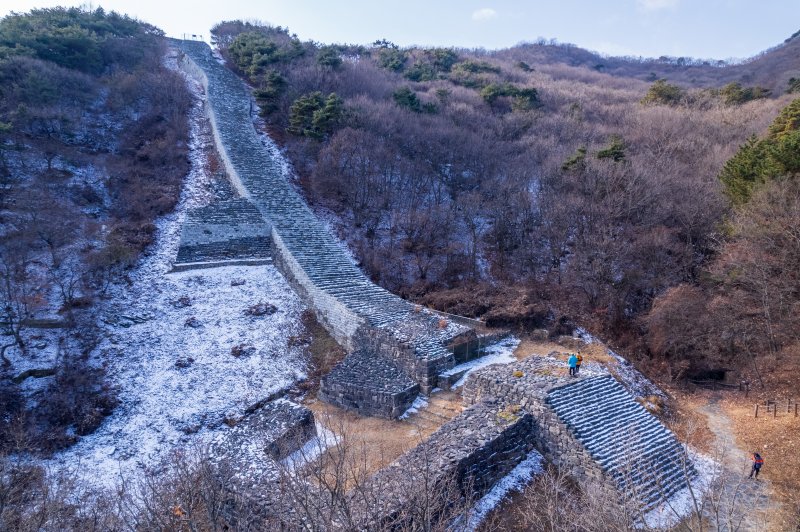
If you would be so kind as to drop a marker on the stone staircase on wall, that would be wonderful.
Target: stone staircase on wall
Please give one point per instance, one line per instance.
(643, 457)
(591, 426)
(377, 327)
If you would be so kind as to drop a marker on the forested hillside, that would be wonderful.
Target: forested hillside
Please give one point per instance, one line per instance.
(652, 202)
(772, 69)
(528, 187)
(93, 143)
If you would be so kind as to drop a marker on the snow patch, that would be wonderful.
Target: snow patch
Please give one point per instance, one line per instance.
(312, 449)
(669, 513)
(419, 403)
(516, 480)
(168, 340)
(500, 353)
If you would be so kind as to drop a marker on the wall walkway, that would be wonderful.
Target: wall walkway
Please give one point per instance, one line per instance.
(372, 323)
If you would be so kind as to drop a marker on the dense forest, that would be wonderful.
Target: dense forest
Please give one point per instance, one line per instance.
(93, 147)
(546, 185)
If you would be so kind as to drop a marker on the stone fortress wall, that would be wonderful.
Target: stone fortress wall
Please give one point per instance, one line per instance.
(223, 233)
(590, 426)
(383, 333)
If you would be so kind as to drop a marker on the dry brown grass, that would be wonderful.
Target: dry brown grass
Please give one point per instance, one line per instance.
(321, 350)
(381, 441)
(594, 352)
(775, 438)
(688, 423)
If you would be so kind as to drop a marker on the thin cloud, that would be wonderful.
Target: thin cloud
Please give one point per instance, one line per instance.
(484, 14)
(611, 49)
(655, 5)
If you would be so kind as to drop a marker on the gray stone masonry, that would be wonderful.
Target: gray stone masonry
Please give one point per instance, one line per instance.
(590, 426)
(346, 302)
(230, 231)
(372, 385)
(461, 461)
(270, 433)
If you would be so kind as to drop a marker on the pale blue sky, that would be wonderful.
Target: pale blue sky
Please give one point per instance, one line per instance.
(718, 29)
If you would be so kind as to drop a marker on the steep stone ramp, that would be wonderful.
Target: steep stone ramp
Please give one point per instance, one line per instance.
(642, 456)
(359, 314)
(591, 426)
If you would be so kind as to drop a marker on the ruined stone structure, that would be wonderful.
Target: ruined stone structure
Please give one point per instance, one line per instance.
(269, 434)
(590, 426)
(461, 461)
(392, 335)
(223, 233)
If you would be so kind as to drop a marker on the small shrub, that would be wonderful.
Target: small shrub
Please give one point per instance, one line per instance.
(268, 93)
(192, 322)
(525, 67)
(182, 302)
(260, 309)
(392, 58)
(577, 162)
(315, 116)
(329, 56)
(472, 74)
(184, 362)
(509, 414)
(614, 151)
(421, 72)
(405, 97)
(734, 94)
(322, 351)
(663, 93)
(524, 98)
(243, 350)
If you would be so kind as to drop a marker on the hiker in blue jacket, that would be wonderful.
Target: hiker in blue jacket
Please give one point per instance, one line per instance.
(573, 365)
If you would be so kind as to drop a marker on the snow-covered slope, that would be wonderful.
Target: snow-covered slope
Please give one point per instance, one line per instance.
(168, 341)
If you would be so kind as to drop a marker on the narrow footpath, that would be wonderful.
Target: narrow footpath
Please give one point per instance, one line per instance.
(740, 504)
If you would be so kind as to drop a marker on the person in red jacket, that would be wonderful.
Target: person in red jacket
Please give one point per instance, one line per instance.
(757, 463)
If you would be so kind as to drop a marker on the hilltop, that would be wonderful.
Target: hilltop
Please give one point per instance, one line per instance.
(771, 68)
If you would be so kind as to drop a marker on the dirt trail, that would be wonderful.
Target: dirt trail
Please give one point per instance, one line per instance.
(741, 504)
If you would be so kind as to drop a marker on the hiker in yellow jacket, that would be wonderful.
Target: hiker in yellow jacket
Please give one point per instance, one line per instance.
(578, 362)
